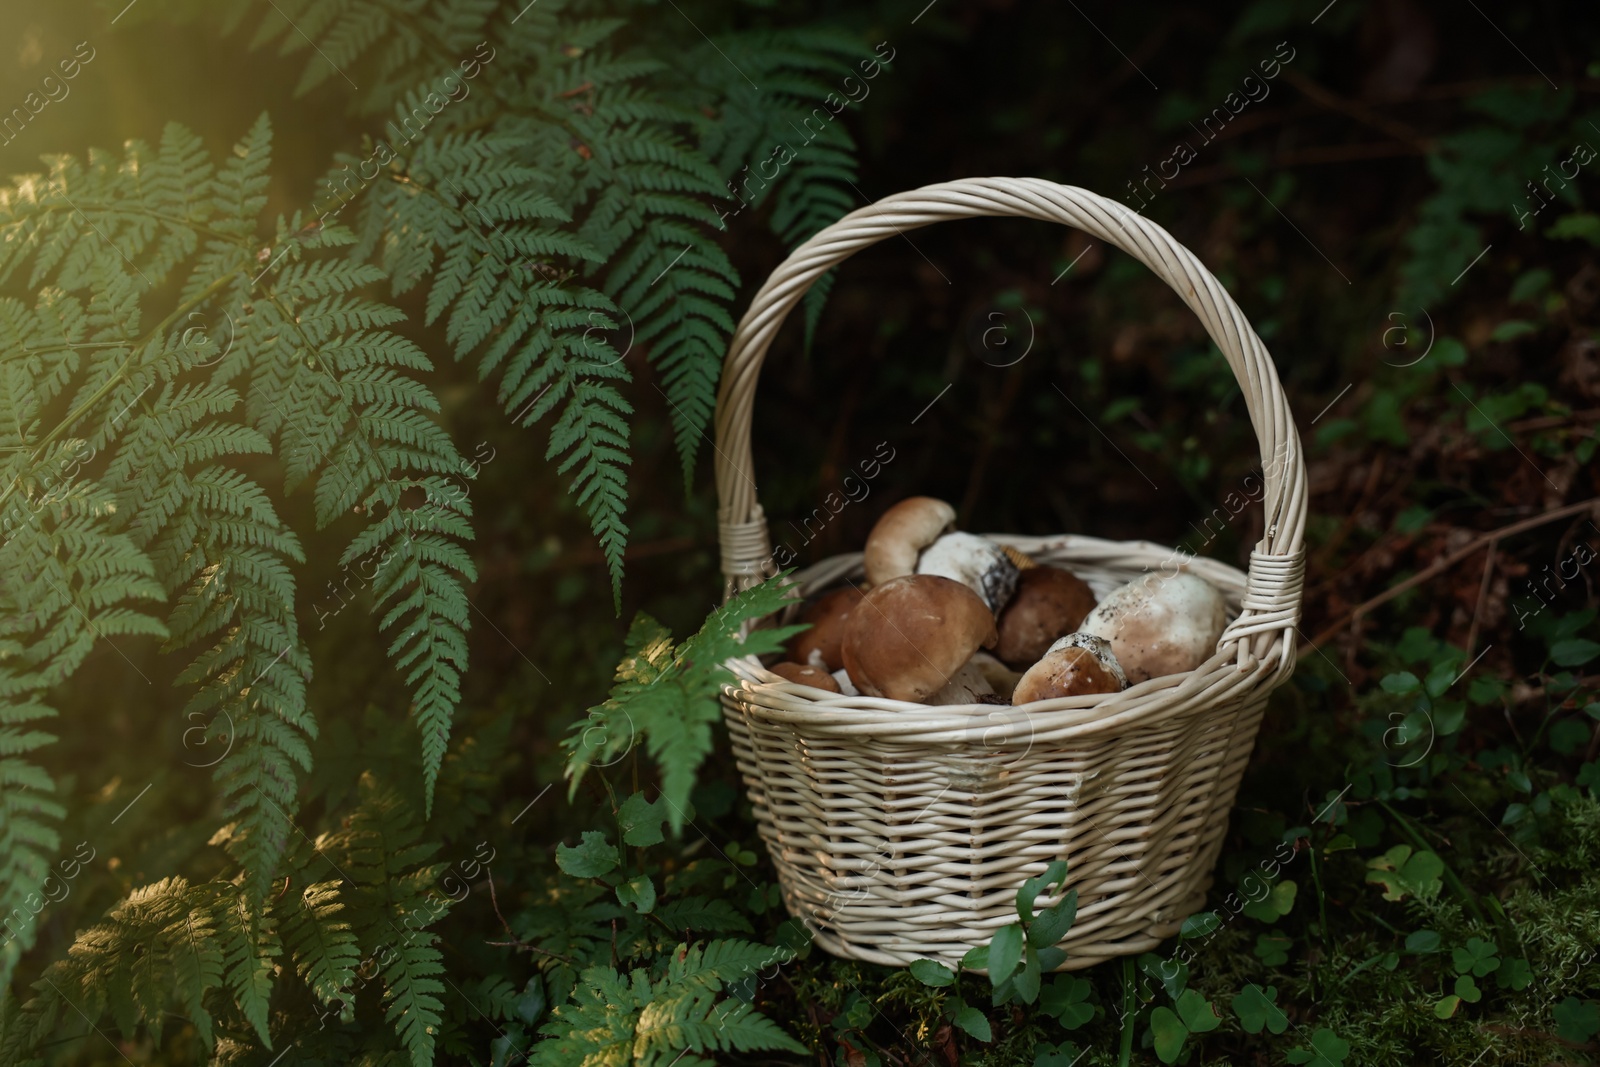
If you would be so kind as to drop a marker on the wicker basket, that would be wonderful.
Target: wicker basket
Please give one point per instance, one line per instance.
(902, 831)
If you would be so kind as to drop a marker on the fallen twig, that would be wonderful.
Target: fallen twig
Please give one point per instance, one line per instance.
(1445, 564)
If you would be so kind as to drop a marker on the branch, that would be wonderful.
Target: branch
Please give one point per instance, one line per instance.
(1445, 564)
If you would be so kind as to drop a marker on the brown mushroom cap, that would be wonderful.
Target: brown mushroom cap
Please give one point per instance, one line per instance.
(901, 533)
(1049, 604)
(827, 615)
(910, 635)
(804, 674)
(1076, 665)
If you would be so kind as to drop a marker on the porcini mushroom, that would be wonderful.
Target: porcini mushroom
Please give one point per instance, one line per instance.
(819, 646)
(805, 674)
(976, 562)
(901, 533)
(1049, 603)
(1159, 625)
(1076, 665)
(909, 636)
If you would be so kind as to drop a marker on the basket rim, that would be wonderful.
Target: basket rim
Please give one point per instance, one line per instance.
(837, 715)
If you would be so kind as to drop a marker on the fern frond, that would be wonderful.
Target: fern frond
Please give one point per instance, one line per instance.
(668, 698)
(248, 939)
(326, 382)
(67, 580)
(320, 941)
(620, 1020)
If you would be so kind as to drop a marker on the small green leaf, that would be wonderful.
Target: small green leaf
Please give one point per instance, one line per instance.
(1446, 1007)
(1530, 284)
(639, 892)
(1422, 941)
(1053, 875)
(1403, 874)
(1439, 679)
(1276, 904)
(1258, 1010)
(1025, 982)
(1449, 716)
(1005, 952)
(1404, 682)
(1450, 352)
(1064, 999)
(1569, 736)
(1054, 922)
(1511, 330)
(1413, 518)
(591, 858)
(1169, 1032)
(1173, 974)
(974, 1022)
(1573, 653)
(977, 958)
(1477, 958)
(1576, 1020)
(1273, 949)
(1200, 924)
(531, 1002)
(932, 973)
(1327, 1050)
(1514, 974)
(1065, 1054)
(1467, 989)
(641, 820)
(1584, 224)
(1197, 1013)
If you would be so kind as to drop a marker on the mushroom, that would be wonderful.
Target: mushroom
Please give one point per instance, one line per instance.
(819, 646)
(1076, 665)
(1159, 625)
(1001, 679)
(969, 685)
(805, 674)
(909, 636)
(901, 533)
(1049, 603)
(842, 678)
(976, 562)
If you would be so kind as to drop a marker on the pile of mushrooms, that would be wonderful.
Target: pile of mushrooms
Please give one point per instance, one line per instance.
(947, 617)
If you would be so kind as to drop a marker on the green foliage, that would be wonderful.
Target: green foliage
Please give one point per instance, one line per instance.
(181, 348)
(668, 697)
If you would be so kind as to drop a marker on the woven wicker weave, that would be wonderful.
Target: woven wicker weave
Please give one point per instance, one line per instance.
(902, 831)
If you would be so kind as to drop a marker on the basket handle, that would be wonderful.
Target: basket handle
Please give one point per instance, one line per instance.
(1271, 604)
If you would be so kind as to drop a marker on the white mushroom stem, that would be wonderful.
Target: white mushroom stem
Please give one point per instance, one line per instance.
(967, 686)
(901, 533)
(1000, 677)
(845, 685)
(975, 562)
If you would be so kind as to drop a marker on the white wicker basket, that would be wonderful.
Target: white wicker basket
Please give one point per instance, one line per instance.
(902, 831)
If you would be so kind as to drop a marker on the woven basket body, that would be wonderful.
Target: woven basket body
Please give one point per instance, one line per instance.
(901, 831)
